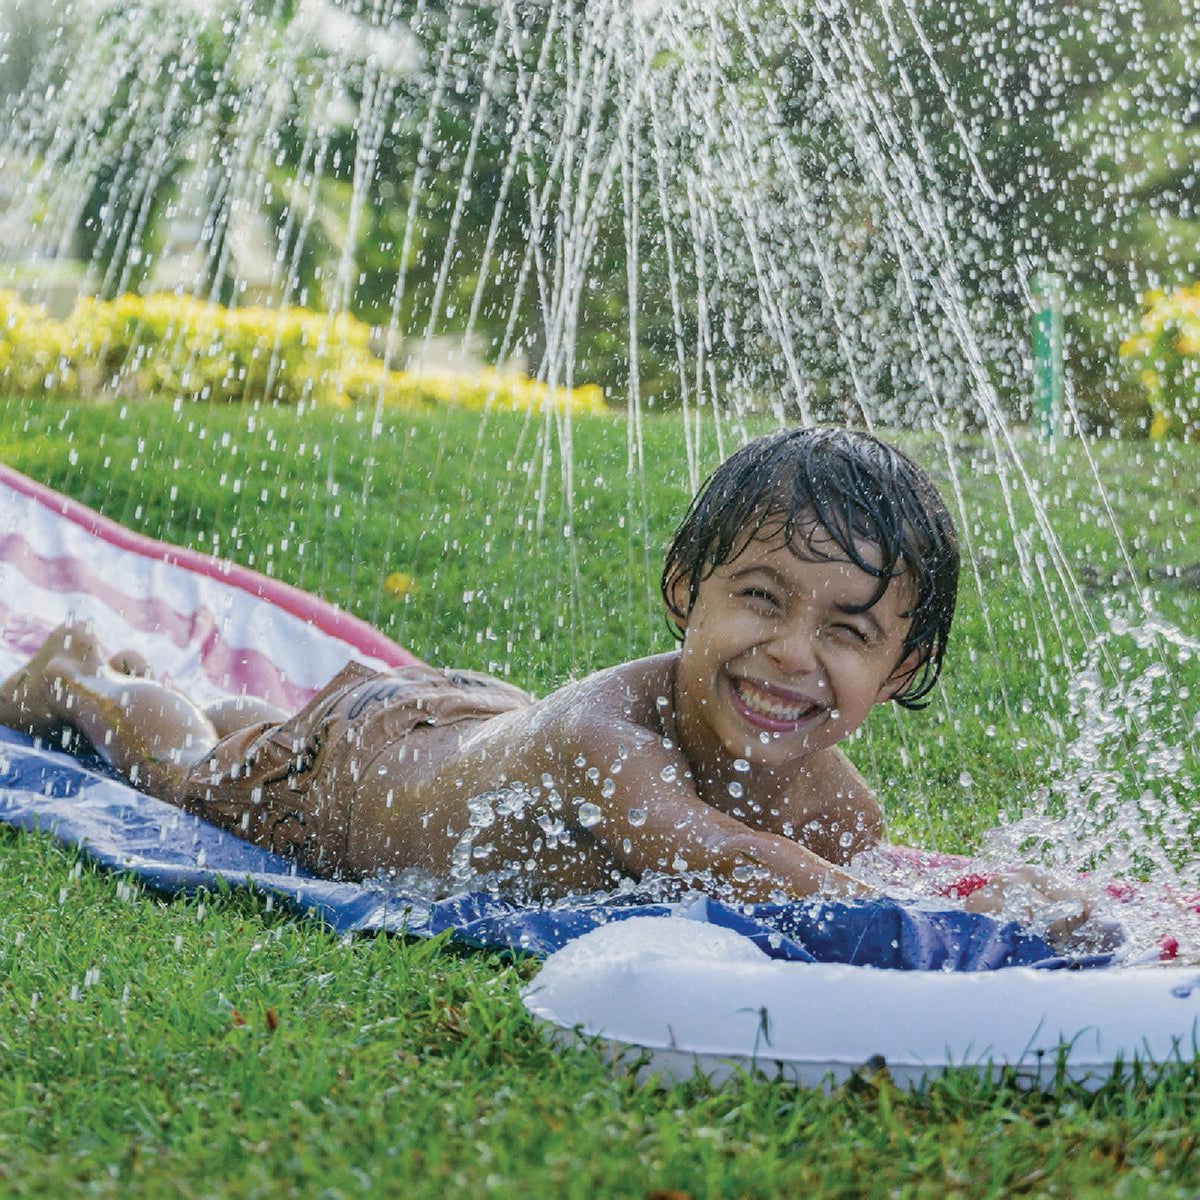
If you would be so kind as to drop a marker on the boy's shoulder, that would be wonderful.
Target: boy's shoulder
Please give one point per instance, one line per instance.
(633, 694)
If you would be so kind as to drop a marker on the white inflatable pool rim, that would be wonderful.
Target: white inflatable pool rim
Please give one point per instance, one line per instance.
(681, 995)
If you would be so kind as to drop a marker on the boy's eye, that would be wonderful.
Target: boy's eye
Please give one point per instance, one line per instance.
(854, 632)
(762, 595)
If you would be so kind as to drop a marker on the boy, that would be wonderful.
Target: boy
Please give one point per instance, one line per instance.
(813, 578)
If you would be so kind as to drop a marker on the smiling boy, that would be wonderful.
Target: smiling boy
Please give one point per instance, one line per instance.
(812, 579)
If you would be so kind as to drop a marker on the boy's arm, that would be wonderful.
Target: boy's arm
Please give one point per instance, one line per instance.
(831, 809)
(653, 819)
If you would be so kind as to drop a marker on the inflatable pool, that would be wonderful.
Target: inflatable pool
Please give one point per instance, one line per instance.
(681, 996)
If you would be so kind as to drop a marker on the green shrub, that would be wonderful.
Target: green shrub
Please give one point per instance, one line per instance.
(36, 352)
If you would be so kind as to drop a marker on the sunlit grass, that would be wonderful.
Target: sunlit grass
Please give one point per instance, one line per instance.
(212, 1048)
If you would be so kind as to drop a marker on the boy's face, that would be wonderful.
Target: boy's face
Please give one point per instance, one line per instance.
(773, 667)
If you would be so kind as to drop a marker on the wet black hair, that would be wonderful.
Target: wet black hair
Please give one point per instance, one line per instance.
(830, 485)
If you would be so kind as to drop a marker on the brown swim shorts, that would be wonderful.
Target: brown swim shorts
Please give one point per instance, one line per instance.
(289, 786)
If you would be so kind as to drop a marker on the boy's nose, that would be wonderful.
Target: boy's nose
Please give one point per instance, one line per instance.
(793, 648)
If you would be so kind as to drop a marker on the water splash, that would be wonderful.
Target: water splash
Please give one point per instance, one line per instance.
(1121, 795)
(1120, 806)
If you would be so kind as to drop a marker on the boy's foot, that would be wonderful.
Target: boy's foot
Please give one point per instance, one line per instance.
(130, 662)
(31, 697)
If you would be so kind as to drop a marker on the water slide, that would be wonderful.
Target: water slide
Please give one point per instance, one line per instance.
(811, 991)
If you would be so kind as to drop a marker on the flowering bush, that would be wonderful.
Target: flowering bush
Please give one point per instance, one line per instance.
(1165, 352)
(35, 349)
(486, 388)
(166, 345)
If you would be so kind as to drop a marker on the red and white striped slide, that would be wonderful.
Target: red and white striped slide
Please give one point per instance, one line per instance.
(209, 626)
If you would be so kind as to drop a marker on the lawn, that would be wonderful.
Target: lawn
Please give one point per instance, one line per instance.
(213, 1047)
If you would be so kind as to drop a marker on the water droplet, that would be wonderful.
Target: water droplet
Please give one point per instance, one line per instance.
(846, 840)
(590, 814)
(509, 803)
(741, 765)
(609, 788)
(668, 773)
(637, 816)
(735, 789)
(744, 872)
(965, 780)
(480, 813)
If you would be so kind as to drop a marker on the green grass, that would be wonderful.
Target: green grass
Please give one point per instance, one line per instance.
(212, 1047)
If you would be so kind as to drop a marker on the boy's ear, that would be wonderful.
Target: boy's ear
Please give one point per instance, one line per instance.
(675, 601)
(898, 679)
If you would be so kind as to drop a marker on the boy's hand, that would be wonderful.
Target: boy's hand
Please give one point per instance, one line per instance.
(759, 867)
(1036, 900)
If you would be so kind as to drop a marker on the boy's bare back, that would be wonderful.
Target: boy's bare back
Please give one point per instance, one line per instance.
(591, 788)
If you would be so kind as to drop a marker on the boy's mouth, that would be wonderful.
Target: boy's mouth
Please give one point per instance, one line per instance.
(771, 708)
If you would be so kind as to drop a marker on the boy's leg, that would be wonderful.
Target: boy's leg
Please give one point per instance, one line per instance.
(147, 731)
(239, 712)
(227, 716)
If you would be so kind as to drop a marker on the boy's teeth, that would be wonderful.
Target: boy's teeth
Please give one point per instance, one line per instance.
(770, 706)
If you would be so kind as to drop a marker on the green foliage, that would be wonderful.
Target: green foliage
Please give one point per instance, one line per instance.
(534, 189)
(476, 195)
(1053, 137)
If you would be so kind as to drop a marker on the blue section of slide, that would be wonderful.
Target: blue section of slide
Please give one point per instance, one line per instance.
(166, 850)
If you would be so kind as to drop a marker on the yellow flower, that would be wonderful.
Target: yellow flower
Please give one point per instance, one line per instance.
(399, 584)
